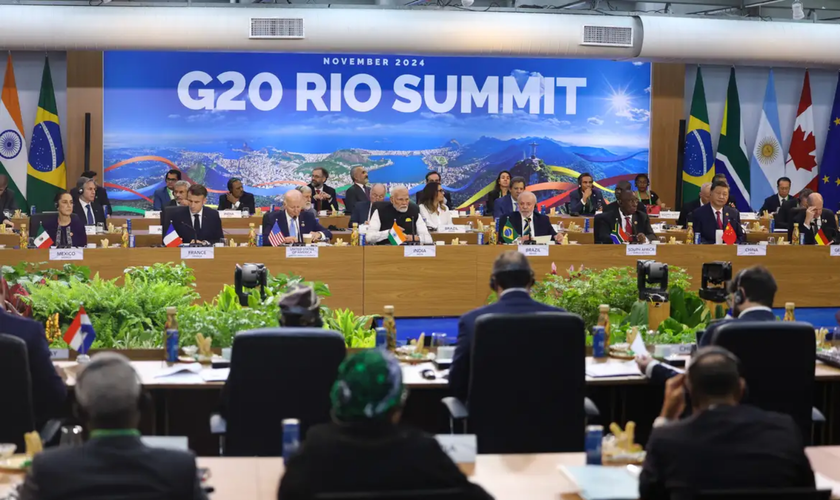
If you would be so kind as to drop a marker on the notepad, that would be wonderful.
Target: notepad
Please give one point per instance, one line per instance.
(596, 482)
(179, 368)
(601, 370)
(215, 375)
(824, 483)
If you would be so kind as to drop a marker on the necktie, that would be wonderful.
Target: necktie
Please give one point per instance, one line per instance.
(526, 228)
(367, 193)
(196, 225)
(90, 219)
(293, 232)
(628, 227)
(515, 206)
(318, 202)
(719, 221)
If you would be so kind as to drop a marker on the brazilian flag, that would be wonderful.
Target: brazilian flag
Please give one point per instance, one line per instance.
(46, 172)
(509, 234)
(699, 160)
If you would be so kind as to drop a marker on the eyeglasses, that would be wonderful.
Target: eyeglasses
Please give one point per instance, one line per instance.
(440, 190)
(172, 179)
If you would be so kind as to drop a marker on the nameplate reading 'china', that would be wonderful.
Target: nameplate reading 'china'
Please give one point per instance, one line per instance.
(420, 251)
(641, 250)
(534, 250)
(835, 250)
(752, 250)
(67, 254)
(197, 253)
(308, 252)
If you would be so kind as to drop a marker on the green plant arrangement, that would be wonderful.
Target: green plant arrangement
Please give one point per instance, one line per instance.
(176, 274)
(357, 330)
(29, 273)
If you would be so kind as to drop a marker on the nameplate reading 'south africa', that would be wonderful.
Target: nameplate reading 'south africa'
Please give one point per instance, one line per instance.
(635, 250)
(307, 252)
(752, 250)
(835, 250)
(197, 253)
(67, 254)
(420, 251)
(534, 250)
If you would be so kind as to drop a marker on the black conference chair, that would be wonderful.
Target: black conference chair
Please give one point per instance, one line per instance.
(765, 494)
(442, 494)
(277, 373)
(18, 415)
(36, 220)
(527, 384)
(777, 362)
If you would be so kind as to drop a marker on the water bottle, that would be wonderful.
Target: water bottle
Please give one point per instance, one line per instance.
(599, 342)
(586, 225)
(128, 225)
(260, 240)
(801, 236)
(696, 238)
(362, 239)
(291, 437)
(171, 341)
(32, 210)
(594, 437)
(381, 337)
(481, 210)
(480, 238)
(131, 241)
(772, 225)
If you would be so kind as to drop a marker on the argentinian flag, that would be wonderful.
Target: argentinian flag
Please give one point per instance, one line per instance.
(767, 162)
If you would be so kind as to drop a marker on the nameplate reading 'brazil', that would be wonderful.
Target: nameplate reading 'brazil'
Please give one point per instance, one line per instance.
(636, 250)
(752, 250)
(197, 253)
(67, 254)
(534, 250)
(307, 252)
(420, 251)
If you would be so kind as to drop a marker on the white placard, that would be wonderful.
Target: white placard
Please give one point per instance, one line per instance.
(307, 252)
(461, 448)
(197, 253)
(90, 230)
(835, 250)
(151, 214)
(752, 250)
(155, 229)
(419, 251)
(323, 213)
(534, 250)
(67, 254)
(641, 250)
(230, 214)
(452, 229)
(669, 214)
(749, 216)
(59, 353)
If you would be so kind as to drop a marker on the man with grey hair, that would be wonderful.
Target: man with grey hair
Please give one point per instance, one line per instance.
(527, 222)
(359, 191)
(86, 208)
(179, 193)
(400, 213)
(689, 207)
(306, 191)
(293, 222)
(364, 210)
(114, 463)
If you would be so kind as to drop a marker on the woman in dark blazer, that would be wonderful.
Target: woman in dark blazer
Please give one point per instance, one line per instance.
(501, 189)
(65, 230)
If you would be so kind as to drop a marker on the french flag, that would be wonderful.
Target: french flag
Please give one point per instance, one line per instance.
(80, 334)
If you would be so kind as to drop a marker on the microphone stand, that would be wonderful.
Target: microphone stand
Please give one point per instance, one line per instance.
(413, 233)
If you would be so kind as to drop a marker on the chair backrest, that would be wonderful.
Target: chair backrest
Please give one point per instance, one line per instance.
(527, 383)
(18, 415)
(765, 494)
(442, 494)
(165, 217)
(777, 362)
(278, 373)
(36, 220)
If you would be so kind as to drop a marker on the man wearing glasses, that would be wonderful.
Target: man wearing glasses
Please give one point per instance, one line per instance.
(167, 193)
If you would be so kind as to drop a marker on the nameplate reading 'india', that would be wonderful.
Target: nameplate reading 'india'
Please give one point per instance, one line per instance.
(641, 250)
(752, 250)
(67, 254)
(420, 251)
(59, 353)
(155, 229)
(835, 250)
(230, 214)
(534, 250)
(197, 253)
(302, 252)
(151, 214)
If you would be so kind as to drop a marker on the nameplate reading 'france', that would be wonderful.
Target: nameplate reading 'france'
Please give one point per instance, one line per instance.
(307, 252)
(59, 353)
(67, 254)
(534, 250)
(420, 251)
(752, 250)
(835, 250)
(197, 253)
(641, 250)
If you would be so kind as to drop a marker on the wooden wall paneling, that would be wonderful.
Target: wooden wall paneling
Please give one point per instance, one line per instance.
(84, 95)
(666, 110)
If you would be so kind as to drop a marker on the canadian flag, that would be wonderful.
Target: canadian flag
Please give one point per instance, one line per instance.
(801, 162)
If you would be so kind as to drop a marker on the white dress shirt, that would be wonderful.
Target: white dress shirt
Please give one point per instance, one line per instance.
(375, 235)
(435, 220)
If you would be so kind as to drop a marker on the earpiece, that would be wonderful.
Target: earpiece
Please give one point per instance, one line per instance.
(738, 296)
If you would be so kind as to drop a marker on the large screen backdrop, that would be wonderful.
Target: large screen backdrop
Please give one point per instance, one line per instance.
(270, 118)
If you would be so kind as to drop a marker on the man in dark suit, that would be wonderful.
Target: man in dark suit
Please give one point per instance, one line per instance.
(774, 202)
(114, 463)
(716, 215)
(196, 223)
(586, 199)
(363, 211)
(434, 176)
(791, 208)
(359, 191)
(179, 191)
(323, 196)
(689, 207)
(48, 389)
(101, 193)
(236, 198)
(619, 187)
(164, 195)
(636, 224)
(528, 223)
(723, 445)
(293, 221)
(512, 279)
(85, 206)
(814, 219)
(7, 196)
(507, 204)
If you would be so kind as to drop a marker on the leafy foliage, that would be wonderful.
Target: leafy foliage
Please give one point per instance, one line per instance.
(357, 330)
(30, 273)
(176, 274)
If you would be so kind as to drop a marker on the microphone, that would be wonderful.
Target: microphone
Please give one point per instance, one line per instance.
(195, 234)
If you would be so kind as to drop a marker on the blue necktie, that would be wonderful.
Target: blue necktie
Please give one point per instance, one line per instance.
(293, 228)
(90, 221)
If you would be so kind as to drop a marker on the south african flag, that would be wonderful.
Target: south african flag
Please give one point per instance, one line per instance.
(618, 235)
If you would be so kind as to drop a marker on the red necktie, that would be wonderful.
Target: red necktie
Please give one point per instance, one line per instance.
(720, 222)
(628, 227)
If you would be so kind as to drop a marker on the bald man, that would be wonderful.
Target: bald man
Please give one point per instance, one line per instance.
(689, 207)
(293, 222)
(527, 222)
(813, 220)
(400, 211)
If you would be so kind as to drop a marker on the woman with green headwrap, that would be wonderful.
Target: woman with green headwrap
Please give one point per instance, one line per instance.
(364, 449)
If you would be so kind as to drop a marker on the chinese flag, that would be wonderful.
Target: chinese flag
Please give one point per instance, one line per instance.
(729, 236)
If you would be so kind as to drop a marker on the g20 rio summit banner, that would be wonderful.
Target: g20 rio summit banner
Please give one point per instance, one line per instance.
(270, 118)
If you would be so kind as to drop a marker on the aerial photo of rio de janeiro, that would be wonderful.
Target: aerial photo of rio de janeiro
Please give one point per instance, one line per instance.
(270, 119)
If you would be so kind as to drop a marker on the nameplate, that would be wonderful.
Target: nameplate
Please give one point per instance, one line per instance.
(461, 448)
(151, 214)
(59, 353)
(155, 229)
(835, 250)
(307, 252)
(230, 214)
(90, 230)
(67, 254)
(419, 251)
(665, 214)
(452, 229)
(752, 251)
(197, 253)
(641, 250)
(323, 213)
(749, 216)
(534, 250)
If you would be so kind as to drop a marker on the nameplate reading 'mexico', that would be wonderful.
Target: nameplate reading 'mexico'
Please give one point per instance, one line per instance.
(419, 251)
(197, 253)
(752, 250)
(835, 250)
(67, 254)
(641, 250)
(307, 252)
(534, 250)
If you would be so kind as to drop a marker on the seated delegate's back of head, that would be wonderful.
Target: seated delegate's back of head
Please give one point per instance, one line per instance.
(511, 270)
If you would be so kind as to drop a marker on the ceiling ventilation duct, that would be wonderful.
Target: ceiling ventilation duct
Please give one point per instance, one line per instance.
(277, 28)
(607, 36)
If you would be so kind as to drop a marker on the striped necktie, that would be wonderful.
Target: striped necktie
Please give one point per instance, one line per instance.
(526, 226)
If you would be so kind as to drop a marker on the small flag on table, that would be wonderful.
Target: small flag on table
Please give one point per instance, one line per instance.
(275, 237)
(43, 239)
(80, 334)
(396, 235)
(618, 235)
(509, 234)
(821, 238)
(729, 236)
(171, 239)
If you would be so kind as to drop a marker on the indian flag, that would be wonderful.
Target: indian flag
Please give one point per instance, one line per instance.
(12, 140)
(821, 238)
(43, 239)
(396, 235)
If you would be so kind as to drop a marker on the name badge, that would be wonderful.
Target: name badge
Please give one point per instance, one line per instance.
(461, 448)
(420, 251)
(155, 229)
(640, 250)
(451, 229)
(197, 253)
(67, 254)
(90, 230)
(59, 353)
(749, 216)
(534, 250)
(307, 252)
(151, 214)
(230, 214)
(835, 250)
(752, 250)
